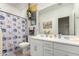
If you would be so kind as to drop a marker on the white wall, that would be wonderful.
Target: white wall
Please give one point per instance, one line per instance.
(11, 9)
(42, 6)
(55, 13)
(76, 9)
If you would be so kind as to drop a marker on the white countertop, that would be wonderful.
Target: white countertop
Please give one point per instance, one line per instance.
(55, 39)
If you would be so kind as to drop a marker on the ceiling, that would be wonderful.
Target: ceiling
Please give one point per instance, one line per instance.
(22, 6)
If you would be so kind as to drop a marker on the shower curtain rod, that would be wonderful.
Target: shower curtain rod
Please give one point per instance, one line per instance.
(12, 14)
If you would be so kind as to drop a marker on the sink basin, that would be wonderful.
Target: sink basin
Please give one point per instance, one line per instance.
(74, 39)
(67, 37)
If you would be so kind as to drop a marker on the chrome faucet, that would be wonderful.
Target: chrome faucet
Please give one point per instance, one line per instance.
(59, 35)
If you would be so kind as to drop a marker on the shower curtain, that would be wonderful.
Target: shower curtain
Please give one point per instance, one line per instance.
(14, 30)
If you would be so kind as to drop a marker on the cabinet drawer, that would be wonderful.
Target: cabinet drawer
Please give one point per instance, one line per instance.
(47, 49)
(68, 47)
(60, 46)
(48, 44)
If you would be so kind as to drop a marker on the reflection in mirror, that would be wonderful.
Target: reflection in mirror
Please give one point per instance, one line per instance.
(64, 18)
(63, 25)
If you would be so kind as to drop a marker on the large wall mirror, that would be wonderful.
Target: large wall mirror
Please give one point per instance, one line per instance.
(65, 18)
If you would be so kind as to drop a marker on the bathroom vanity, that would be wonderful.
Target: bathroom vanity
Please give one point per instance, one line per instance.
(45, 46)
(66, 23)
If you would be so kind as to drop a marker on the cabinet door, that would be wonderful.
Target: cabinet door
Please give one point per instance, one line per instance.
(33, 47)
(67, 47)
(72, 54)
(39, 48)
(48, 52)
(48, 48)
(59, 52)
(36, 47)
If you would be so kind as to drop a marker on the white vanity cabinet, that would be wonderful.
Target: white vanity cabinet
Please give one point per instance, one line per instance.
(41, 47)
(36, 47)
(48, 48)
(62, 49)
(58, 52)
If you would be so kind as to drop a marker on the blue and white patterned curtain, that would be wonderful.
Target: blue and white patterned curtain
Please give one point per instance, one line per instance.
(14, 30)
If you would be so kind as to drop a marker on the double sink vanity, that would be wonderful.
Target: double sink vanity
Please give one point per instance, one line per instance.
(64, 19)
(54, 46)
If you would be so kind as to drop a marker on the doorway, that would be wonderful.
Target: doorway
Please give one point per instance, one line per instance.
(63, 25)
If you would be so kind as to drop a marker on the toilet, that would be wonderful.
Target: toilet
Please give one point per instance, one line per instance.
(25, 46)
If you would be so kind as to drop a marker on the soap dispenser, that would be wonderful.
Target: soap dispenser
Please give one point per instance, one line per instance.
(1, 41)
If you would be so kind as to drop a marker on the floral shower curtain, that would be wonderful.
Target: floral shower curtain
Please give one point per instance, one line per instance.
(14, 30)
